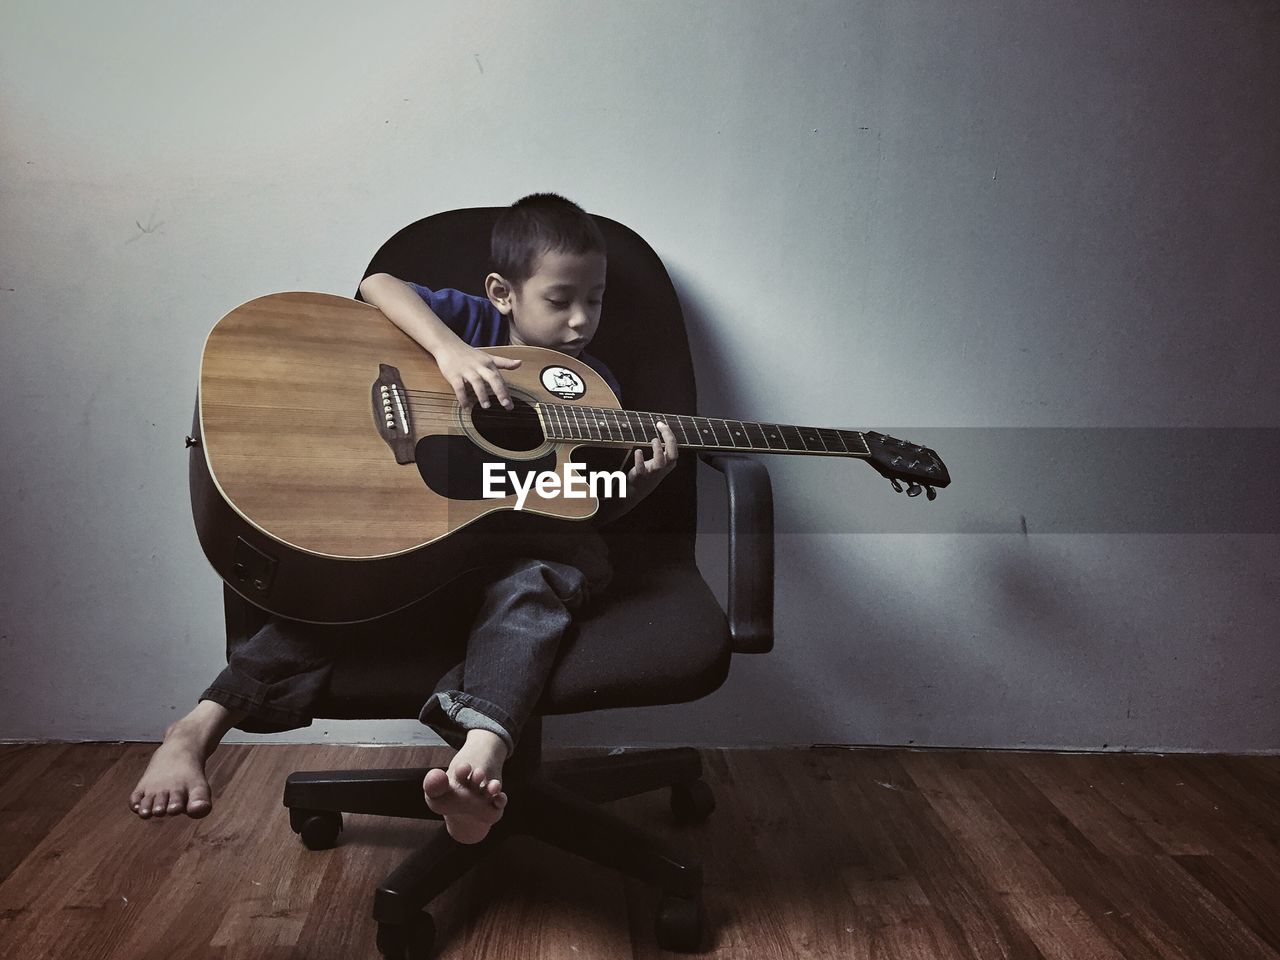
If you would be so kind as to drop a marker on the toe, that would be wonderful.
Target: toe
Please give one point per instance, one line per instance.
(436, 783)
(177, 802)
(160, 803)
(493, 787)
(500, 801)
(200, 802)
(462, 772)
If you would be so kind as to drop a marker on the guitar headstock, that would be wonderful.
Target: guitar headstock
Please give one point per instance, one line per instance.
(898, 460)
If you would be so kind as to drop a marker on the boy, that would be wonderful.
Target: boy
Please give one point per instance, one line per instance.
(546, 291)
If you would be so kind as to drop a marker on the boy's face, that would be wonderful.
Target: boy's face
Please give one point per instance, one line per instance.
(558, 306)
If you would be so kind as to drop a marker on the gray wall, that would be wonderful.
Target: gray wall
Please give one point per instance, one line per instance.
(996, 228)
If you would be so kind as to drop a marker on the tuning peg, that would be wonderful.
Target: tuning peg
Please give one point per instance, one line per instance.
(895, 484)
(914, 490)
(931, 493)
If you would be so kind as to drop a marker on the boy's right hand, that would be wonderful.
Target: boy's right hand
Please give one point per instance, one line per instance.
(464, 366)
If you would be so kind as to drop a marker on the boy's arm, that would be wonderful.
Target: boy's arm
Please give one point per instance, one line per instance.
(643, 477)
(460, 363)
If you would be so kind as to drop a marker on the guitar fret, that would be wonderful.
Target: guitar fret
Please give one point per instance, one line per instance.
(706, 435)
(683, 428)
(615, 425)
(832, 440)
(632, 426)
(731, 440)
(855, 443)
(584, 425)
(721, 431)
(812, 438)
(669, 421)
(791, 437)
(772, 436)
(740, 438)
(756, 435)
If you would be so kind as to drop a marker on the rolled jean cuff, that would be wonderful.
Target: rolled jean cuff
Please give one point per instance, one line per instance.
(260, 717)
(453, 713)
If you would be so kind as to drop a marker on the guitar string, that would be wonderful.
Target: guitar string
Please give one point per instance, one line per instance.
(429, 396)
(448, 398)
(523, 415)
(439, 400)
(444, 413)
(448, 402)
(420, 398)
(444, 410)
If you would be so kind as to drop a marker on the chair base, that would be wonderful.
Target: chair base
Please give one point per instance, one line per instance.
(554, 802)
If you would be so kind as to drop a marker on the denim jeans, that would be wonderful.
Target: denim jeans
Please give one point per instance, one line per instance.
(278, 674)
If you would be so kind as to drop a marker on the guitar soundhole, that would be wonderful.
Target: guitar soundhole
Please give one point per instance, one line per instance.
(516, 429)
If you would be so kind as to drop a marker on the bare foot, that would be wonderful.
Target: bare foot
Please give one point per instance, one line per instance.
(469, 794)
(174, 781)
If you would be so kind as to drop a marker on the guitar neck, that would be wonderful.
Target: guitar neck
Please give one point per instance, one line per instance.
(604, 426)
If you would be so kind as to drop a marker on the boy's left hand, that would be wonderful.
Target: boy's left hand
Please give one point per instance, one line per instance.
(644, 475)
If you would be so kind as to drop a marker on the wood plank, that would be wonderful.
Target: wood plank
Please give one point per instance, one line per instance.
(1246, 887)
(975, 917)
(39, 786)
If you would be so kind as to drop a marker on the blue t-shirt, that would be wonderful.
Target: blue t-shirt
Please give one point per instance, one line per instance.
(480, 324)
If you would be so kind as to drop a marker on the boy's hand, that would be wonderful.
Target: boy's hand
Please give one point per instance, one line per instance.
(645, 475)
(464, 366)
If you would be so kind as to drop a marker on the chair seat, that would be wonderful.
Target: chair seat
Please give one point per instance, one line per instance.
(626, 652)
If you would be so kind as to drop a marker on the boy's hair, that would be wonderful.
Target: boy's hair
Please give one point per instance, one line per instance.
(538, 224)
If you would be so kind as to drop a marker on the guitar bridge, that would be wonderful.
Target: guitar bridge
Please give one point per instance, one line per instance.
(391, 413)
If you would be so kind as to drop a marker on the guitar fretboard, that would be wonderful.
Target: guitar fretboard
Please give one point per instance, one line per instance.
(609, 427)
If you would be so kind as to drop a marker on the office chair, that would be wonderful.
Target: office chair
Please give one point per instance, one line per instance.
(658, 636)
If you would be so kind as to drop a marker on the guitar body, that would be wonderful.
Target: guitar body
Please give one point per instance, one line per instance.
(334, 464)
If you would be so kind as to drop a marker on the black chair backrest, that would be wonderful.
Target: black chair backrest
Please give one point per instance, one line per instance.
(641, 336)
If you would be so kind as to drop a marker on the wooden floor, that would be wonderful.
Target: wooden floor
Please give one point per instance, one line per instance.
(811, 853)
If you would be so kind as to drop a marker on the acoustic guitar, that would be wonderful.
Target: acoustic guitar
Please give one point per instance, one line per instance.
(336, 478)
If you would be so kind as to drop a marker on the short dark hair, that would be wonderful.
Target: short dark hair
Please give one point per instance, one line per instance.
(538, 224)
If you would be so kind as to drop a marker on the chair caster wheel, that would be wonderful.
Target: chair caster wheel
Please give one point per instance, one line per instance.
(407, 941)
(318, 829)
(692, 802)
(679, 924)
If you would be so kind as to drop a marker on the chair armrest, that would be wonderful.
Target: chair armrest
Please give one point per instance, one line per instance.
(750, 551)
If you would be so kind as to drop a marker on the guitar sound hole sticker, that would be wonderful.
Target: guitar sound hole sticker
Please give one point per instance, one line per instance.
(563, 383)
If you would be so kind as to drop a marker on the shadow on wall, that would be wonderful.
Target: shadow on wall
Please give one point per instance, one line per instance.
(868, 646)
